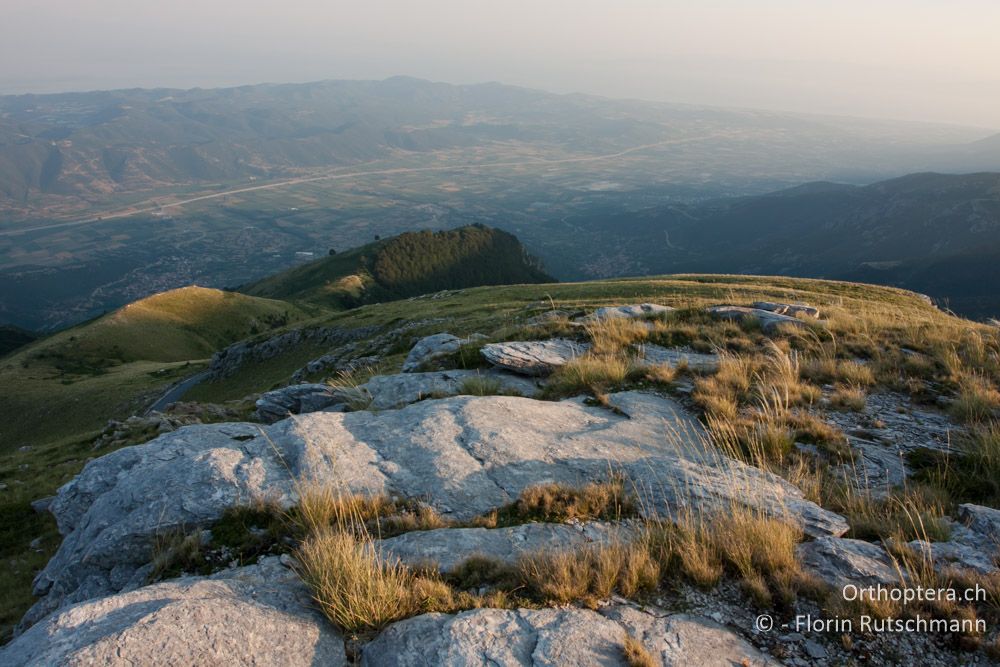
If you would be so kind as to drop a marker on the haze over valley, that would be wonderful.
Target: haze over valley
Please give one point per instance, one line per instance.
(109, 197)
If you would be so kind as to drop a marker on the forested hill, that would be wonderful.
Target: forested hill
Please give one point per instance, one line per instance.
(407, 265)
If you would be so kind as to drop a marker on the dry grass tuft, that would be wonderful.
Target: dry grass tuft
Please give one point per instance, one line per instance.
(977, 400)
(321, 506)
(590, 574)
(478, 385)
(588, 373)
(614, 335)
(355, 587)
(636, 654)
(557, 503)
(848, 398)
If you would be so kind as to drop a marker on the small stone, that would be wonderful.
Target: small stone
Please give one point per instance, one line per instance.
(814, 649)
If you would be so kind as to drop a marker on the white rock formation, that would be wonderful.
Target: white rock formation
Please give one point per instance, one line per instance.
(535, 357)
(256, 615)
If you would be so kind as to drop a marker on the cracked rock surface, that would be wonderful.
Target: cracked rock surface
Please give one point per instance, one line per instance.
(530, 637)
(256, 615)
(464, 456)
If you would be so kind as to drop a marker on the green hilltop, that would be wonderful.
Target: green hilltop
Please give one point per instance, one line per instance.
(69, 384)
(407, 265)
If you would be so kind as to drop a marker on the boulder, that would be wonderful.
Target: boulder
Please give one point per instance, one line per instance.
(256, 615)
(684, 639)
(982, 520)
(958, 553)
(464, 456)
(629, 312)
(792, 309)
(449, 547)
(389, 392)
(556, 637)
(675, 356)
(537, 357)
(296, 399)
(768, 321)
(974, 543)
(842, 561)
(432, 347)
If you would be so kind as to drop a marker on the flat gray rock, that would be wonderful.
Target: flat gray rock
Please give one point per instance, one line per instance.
(389, 392)
(679, 640)
(768, 321)
(532, 637)
(256, 615)
(464, 456)
(536, 357)
(432, 347)
(674, 357)
(792, 309)
(974, 543)
(296, 399)
(982, 520)
(629, 312)
(841, 561)
(449, 547)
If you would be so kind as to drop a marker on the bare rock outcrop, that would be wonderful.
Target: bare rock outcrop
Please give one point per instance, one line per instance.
(842, 561)
(674, 357)
(535, 357)
(768, 321)
(296, 399)
(629, 312)
(464, 456)
(449, 547)
(792, 309)
(389, 392)
(256, 615)
(433, 347)
(556, 637)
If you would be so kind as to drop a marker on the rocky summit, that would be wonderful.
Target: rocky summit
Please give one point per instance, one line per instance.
(610, 483)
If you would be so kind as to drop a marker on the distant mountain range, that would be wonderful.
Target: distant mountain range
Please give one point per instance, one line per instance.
(934, 233)
(71, 151)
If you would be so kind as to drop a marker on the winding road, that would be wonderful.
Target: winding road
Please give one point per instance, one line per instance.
(176, 392)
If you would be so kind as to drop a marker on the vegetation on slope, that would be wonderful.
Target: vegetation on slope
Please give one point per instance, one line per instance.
(407, 265)
(71, 383)
(11, 338)
(944, 356)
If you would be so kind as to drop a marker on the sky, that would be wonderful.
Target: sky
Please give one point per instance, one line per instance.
(935, 60)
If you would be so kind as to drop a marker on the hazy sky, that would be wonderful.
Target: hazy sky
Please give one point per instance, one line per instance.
(915, 59)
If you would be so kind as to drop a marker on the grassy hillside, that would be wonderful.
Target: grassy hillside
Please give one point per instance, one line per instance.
(487, 309)
(867, 317)
(72, 382)
(406, 265)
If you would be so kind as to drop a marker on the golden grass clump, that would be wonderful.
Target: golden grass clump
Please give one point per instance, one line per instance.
(977, 401)
(590, 574)
(321, 506)
(916, 512)
(354, 586)
(636, 655)
(613, 335)
(848, 398)
(607, 501)
(588, 373)
(828, 370)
